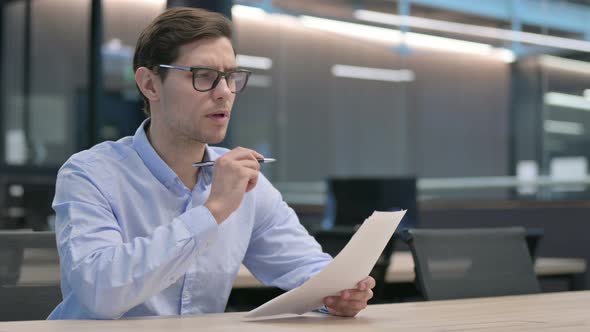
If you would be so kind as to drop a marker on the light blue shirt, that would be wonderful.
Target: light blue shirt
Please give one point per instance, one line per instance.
(133, 240)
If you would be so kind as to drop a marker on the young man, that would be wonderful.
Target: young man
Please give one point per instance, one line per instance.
(140, 231)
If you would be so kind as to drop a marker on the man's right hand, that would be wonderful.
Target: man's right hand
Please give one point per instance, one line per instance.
(234, 174)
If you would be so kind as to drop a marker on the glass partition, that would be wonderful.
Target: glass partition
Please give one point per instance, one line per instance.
(337, 91)
(45, 77)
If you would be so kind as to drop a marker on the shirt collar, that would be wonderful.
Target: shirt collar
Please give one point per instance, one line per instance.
(158, 167)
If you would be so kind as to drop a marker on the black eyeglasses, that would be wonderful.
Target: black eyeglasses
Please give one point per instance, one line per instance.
(206, 79)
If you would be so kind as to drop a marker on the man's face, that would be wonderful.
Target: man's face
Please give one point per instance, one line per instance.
(194, 115)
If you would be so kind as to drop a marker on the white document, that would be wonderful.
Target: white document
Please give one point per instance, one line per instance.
(350, 266)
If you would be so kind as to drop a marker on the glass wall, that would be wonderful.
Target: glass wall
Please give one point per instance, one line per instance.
(468, 115)
(354, 100)
(45, 81)
(121, 105)
(13, 32)
(51, 122)
(333, 94)
(566, 101)
(566, 123)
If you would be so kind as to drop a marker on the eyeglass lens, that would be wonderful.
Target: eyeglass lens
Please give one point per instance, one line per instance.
(207, 79)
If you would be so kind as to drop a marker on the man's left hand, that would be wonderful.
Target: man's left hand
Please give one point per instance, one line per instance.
(351, 301)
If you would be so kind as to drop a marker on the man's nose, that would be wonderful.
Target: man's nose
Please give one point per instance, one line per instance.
(222, 90)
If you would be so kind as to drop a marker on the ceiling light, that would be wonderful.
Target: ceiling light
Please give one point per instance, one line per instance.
(247, 11)
(391, 36)
(563, 127)
(473, 30)
(567, 101)
(256, 62)
(374, 74)
(565, 64)
(352, 29)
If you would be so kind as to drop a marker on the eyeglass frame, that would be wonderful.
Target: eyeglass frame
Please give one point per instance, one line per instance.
(224, 74)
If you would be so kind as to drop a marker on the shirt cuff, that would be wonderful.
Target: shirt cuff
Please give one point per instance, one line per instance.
(201, 224)
(322, 310)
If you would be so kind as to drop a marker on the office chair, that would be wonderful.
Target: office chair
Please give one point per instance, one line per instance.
(334, 240)
(12, 247)
(353, 199)
(466, 263)
(31, 301)
(533, 236)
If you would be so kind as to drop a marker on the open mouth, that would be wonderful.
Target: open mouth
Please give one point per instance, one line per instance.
(219, 116)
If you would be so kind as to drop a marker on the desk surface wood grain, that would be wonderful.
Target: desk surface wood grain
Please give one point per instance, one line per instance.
(567, 311)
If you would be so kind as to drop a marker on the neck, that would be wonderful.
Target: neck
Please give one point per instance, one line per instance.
(179, 153)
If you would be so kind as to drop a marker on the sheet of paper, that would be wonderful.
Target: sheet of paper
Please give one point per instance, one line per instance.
(350, 266)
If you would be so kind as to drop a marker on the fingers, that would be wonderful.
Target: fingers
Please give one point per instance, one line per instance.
(252, 180)
(367, 283)
(339, 306)
(351, 301)
(356, 295)
(238, 158)
(249, 170)
(348, 312)
(246, 161)
(234, 173)
(257, 155)
(249, 163)
(241, 153)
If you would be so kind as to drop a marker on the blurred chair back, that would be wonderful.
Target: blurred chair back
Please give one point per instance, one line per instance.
(533, 237)
(26, 301)
(465, 263)
(334, 240)
(352, 200)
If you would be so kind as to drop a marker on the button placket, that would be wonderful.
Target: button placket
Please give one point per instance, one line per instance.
(185, 295)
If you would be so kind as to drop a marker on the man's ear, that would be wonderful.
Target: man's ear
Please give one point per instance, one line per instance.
(148, 83)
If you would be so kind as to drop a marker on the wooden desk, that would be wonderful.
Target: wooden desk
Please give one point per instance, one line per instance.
(567, 311)
(401, 269)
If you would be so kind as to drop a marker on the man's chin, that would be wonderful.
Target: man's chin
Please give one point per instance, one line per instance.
(212, 140)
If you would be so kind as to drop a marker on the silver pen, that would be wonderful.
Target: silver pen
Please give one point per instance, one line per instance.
(212, 162)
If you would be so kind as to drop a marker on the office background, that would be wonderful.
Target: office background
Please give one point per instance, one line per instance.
(494, 129)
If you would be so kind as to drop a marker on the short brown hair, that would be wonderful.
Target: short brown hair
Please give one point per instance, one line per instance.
(160, 41)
